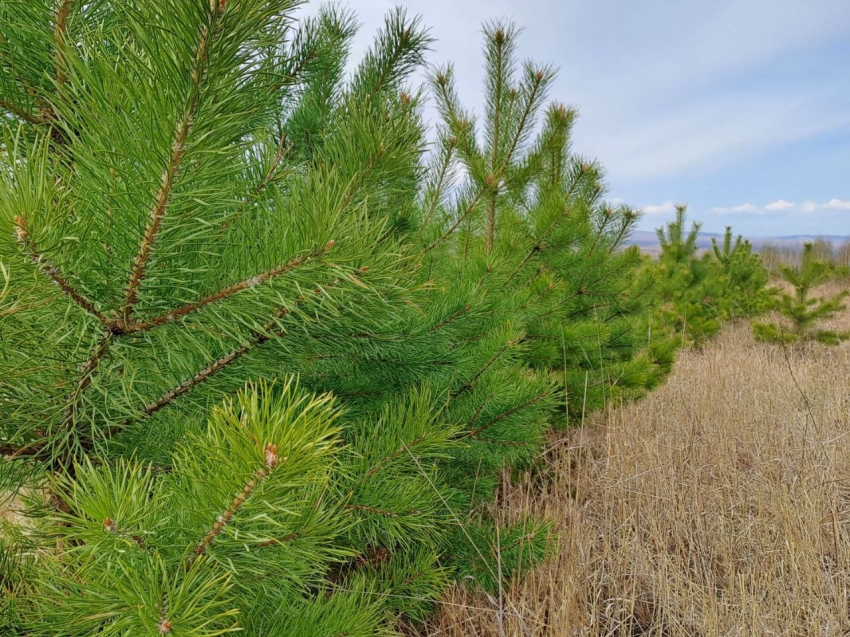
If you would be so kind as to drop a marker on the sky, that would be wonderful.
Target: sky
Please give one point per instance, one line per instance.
(738, 108)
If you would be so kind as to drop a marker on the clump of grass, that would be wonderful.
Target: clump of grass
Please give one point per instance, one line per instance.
(720, 505)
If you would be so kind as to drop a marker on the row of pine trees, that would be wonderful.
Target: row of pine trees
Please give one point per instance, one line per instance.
(268, 342)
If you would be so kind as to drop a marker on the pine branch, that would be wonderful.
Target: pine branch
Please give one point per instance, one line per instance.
(20, 113)
(383, 462)
(270, 173)
(475, 432)
(480, 408)
(539, 78)
(481, 371)
(377, 511)
(59, 30)
(169, 175)
(11, 451)
(438, 187)
(25, 239)
(497, 111)
(75, 398)
(451, 318)
(121, 328)
(89, 369)
(272, 460)
(283, 540)
(259, 337)
(459, 220)
(268, 178)
(110, 526)
(538, 246)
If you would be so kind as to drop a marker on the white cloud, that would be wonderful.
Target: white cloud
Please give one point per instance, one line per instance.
(781, 204)
(746, 207)
(668, 207)
(837, 204)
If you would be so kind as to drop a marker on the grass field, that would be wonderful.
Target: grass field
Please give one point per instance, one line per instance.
(719, 505)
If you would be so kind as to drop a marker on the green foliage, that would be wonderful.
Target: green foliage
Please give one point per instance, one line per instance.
(801, 312)
(694, 294)
(195, 202)
(745, 277)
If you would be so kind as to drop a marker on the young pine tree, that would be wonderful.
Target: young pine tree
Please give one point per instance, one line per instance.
(530, 218)
(745, 277)
(801, 312)
(193, 198)
(685, 286)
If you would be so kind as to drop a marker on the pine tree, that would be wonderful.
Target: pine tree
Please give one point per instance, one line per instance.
(802, 312)
(197, 208)
(193, 197)
(553, 248)
(745, 277)
(685, 286)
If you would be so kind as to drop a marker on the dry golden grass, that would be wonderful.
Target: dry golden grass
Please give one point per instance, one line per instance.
(719, 505)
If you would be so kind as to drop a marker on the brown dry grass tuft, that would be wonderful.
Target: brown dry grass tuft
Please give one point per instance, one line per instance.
(719, 505)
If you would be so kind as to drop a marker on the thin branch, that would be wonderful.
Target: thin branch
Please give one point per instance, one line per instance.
(21, 113)
(259, 337)
(137, 273)
(460, 219)
(474, 433)
(539, 76)
(270, 173)
(260, 475)
(169, 176)
(110, 526)
(283, 540)
(11, 451)
(438, 187)
(89, 369)
(189, 308)
(497, 112)
(261, 185)
(481, 371)
(60, 28)
(384, 512)
(451, 318)
(205, 373)
(25, 239)
(74, 399)
(383, 462)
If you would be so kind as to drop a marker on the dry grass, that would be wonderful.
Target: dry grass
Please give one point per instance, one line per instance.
(719, 505)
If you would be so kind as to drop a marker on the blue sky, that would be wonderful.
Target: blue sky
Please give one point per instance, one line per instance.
(739, 108)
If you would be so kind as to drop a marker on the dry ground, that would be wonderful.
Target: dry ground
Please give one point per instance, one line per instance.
(719, 505)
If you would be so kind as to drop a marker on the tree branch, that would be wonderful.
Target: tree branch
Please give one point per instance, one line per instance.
(25, 239)
(260, 475)
(123, 328)
(169, 175)
(475, 432)
(481, 371)
(460, 219)
(450, 318)
(267, 179)
(89, 369)
(369, 509)
(60, 28)
(259, 337)
(20, 113)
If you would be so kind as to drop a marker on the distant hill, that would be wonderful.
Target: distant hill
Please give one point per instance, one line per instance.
(648, 241)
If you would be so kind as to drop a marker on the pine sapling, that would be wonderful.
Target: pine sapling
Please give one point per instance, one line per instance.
(802, 313)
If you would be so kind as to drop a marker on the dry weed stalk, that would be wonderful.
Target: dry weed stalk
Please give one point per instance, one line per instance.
(720, 505)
